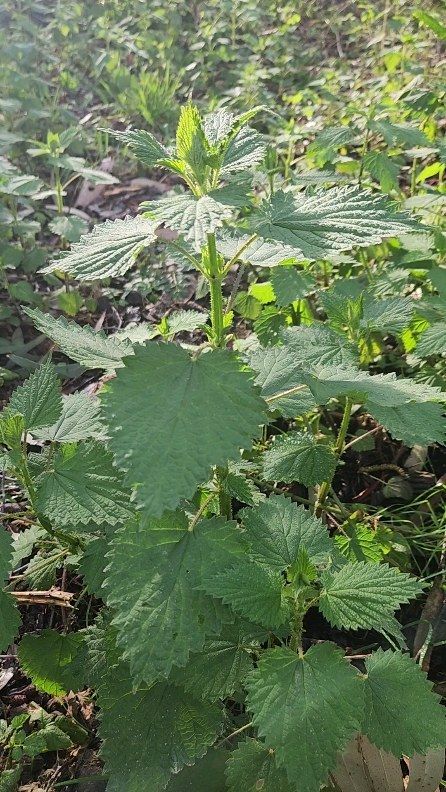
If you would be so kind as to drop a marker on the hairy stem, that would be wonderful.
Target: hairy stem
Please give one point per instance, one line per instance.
(338, 449)
(215, 281)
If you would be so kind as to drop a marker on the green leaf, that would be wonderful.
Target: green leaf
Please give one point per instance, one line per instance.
(70, 227)
(107, 251)
(206, 775)
(252, 590)
(406, 135)
(191, 142)
(252, 767)
(393, 720)
(307, 709)
(278, 529)
(432, 22)
(246, 148)
(9, 779)
(432, 341)
(218, 670)
(217, 126)
(412, 423)
(185, 321)
(317, 345)
(290, 284)
(9, 620)
(236, 484)
(89, 348)
(54, 662)
(299, 456)
(281, 381)
(39, 399)
(150, 733)
(391, 315)
(360, 543)
(364, 595)
(270, 324)
(6, 552)
(92, 565)
(143, 144)
(384, 169)
(82, 486)
(259, 252)
(79, 421)
(151, 580)
(193, 218)
(172, 417)
(329, 222)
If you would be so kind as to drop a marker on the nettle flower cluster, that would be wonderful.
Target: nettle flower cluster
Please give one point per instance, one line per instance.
(202, 632)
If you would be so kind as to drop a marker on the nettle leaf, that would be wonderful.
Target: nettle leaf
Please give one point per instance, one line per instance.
(277, 530)
(79, 420)
(191, 142)
(185, 321)
(252, 590)
(384, 169)
(290, 284)
(318, 345)
(82, 486)
(218, 670)
(82, 344)
(307, 709)
(92, 565)
(432, 341)
(193, 218)
(151, 583)
(191, 414)
(39, 399)
(9, 620)
(299, 456)
(252, 767)
(246, 148)
(143, 144)
(390, 315)
(259, 253)
(364, 595)
(107, 251)
(54, 662)
(412, 423)
(281, 382)
(236, 484)
(329, 222)
(393, 720)
(326, 382)
(6, 553)
(151, 733)
(217, 126)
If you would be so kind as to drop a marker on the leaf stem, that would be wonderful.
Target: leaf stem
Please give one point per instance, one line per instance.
(338, 450)
(215, 281)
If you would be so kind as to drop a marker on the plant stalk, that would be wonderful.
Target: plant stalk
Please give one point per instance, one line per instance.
(215, 281)
(338, 450)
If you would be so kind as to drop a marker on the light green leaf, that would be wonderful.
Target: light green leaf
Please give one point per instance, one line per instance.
(39, 399)
(9, 620)
(329, 222)
(218, 670)
(364, 595)
(54, 662)
(245, 149)
(278, 529)
(144, 145)
(107, 251)
(252, 590)
(432, 341)
(185, 321)
(82, 486)
(252, 767)
(389, 315)
(9, 779)
(190, 414)
(193, 218)
(281, 381)
(307, 709)
(318, 345)
(299, 456)
(89, 348)
(393, 720)
(360, 543)
(290, 284)
(79, 421)
(218, 125)
(259, 252)
(151, 585)
(191, 142)
(412, 423)
(432, 22)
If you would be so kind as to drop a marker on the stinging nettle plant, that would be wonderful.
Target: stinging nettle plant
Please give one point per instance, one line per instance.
(204, 605)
